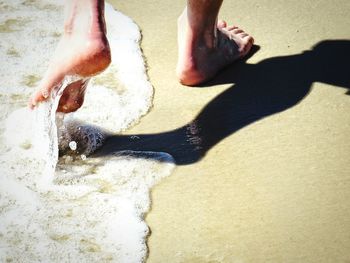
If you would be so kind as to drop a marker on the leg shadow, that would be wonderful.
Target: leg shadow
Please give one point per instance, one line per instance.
(258, 90)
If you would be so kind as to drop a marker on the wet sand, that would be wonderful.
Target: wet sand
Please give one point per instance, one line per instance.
(263, 152)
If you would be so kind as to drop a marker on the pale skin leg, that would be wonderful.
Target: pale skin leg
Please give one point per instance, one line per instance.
(205, 47)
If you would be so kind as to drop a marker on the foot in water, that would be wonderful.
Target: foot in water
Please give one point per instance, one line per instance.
(204, 51)
(83, 51)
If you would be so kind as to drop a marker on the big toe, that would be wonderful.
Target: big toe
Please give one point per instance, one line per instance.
(248, 42)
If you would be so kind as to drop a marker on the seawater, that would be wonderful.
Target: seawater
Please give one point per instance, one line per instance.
(72, 208)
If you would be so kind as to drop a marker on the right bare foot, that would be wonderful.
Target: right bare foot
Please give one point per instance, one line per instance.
(83, 51)
(202, 56)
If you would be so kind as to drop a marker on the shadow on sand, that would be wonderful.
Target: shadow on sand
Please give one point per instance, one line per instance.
(259, 90)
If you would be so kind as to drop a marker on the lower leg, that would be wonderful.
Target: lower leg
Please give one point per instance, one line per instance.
(202, 19)
(92, 11)
(205, 45)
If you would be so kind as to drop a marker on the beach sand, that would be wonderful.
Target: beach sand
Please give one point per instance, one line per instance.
(272, 181)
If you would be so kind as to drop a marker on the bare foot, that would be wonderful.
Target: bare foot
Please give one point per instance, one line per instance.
(83, 51)
(202, 56)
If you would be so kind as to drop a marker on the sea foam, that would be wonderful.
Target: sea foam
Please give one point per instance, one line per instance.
(71, 209)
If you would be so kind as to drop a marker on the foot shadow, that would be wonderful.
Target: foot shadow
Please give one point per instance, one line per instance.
(259, 90)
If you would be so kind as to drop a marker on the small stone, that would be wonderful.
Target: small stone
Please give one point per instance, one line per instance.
(72, 145)
(26, 145)
(83, 157)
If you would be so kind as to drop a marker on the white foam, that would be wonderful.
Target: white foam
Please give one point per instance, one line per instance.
(91, 209)
(94, 213)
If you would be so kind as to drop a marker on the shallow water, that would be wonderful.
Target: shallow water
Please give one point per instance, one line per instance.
(72, 207)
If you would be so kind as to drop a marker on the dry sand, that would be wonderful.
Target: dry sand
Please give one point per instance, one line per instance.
(275, 185)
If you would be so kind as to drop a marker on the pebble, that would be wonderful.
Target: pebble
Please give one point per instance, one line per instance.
(73, 145)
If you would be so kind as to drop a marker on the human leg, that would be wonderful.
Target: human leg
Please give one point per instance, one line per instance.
(83, 50)
(206, 45)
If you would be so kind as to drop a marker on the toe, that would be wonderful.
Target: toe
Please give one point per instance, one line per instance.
(230, 28)
(243, 35)
(47, 85)
(237, 31)
(248, 43)
(221, 24)
(36, 98)
(249, 39)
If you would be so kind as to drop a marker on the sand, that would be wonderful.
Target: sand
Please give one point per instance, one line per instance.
(274, 187)
(262, 151)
